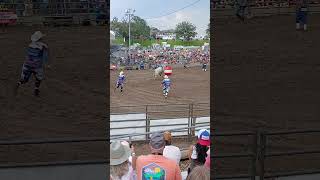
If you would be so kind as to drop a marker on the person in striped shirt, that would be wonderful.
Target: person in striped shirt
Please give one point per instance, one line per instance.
(36, 58)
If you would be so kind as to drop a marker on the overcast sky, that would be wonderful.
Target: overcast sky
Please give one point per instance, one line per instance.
(151, 10)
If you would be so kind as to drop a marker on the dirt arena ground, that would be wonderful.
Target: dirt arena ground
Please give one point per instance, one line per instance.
(266, 77)
(188, 86)
(72, 100)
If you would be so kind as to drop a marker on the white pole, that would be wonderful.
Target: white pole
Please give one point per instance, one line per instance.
(129, 13)
(129, 30)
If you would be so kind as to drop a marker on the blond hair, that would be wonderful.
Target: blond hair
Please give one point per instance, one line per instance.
(117, 171)
(199, 172)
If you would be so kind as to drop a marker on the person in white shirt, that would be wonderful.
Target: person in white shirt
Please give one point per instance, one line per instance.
(170, 151)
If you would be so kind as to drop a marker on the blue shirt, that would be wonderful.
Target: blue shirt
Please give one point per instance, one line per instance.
(121, 79)
(166, 83)
(37, 54)
(36, 57)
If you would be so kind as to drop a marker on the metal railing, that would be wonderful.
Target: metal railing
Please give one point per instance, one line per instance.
(52, 141)
(259, 154)
(129, 136)
(54, 7)
(226, 8)
(161, 113)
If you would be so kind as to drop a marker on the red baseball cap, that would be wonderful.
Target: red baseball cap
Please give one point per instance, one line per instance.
(204, 137)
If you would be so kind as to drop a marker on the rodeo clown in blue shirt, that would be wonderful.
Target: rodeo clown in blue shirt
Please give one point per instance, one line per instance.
(36, 58)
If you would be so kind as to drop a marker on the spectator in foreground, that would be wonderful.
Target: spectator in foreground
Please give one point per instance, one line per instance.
(120, 168)
(199, 172)
(198, 152)
(170, 151)
(155, 165)
(132, 159)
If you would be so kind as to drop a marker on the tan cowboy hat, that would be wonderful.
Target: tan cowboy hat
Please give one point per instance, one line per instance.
(119, 153)
(37, 36)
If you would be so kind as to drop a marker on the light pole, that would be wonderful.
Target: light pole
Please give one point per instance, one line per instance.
(129, 13)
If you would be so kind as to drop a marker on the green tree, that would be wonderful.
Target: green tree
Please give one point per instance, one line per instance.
(118, 27)
(139, 28)
(186, 30)
(208, 31)
(153, 32)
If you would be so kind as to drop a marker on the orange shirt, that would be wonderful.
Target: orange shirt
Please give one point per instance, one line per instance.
(157, 167)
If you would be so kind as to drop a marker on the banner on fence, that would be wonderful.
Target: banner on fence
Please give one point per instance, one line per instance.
(7, 17)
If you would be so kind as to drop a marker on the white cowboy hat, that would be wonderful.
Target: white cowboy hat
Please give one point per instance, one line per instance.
(37, 36)
(119, 153)
(121, 73)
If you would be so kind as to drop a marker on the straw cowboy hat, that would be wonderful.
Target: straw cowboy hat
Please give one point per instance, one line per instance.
(37, 36)
(118, 153)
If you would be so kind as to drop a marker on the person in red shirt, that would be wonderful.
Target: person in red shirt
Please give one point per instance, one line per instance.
(155, 165)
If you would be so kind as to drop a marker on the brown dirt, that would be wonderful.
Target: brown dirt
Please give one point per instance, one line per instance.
(72, 100)
(188, 86)
(266, 78)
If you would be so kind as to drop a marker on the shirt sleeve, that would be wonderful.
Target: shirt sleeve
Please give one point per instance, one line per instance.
(178, 173)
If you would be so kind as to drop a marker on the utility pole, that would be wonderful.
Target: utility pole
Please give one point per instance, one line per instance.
(129, 13)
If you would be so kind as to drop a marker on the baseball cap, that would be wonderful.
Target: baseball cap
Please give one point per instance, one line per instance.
(157, 142)
(204, 137)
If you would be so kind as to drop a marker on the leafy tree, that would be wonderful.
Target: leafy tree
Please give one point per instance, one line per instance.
(208, 31)
(153, 32)
(186, 30)
(139, 28)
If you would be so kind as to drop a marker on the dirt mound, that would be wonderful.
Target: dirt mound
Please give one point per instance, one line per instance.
(72, 98)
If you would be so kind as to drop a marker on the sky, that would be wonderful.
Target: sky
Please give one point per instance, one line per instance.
(153, 12)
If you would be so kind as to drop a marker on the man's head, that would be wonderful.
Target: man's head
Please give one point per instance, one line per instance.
(167, 137)
(157, 143)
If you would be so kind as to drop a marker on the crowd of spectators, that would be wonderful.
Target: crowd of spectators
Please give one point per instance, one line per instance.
(153, 58)
(163, 161)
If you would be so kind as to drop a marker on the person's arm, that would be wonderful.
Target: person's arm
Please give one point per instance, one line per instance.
(190, 152)
(134, 158)
(178, 173)
(45, 56)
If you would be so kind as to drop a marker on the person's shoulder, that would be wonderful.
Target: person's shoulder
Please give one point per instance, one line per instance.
(169, 161)
(142, 158)
(43, 44)
(172, 147)
(175, 147)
